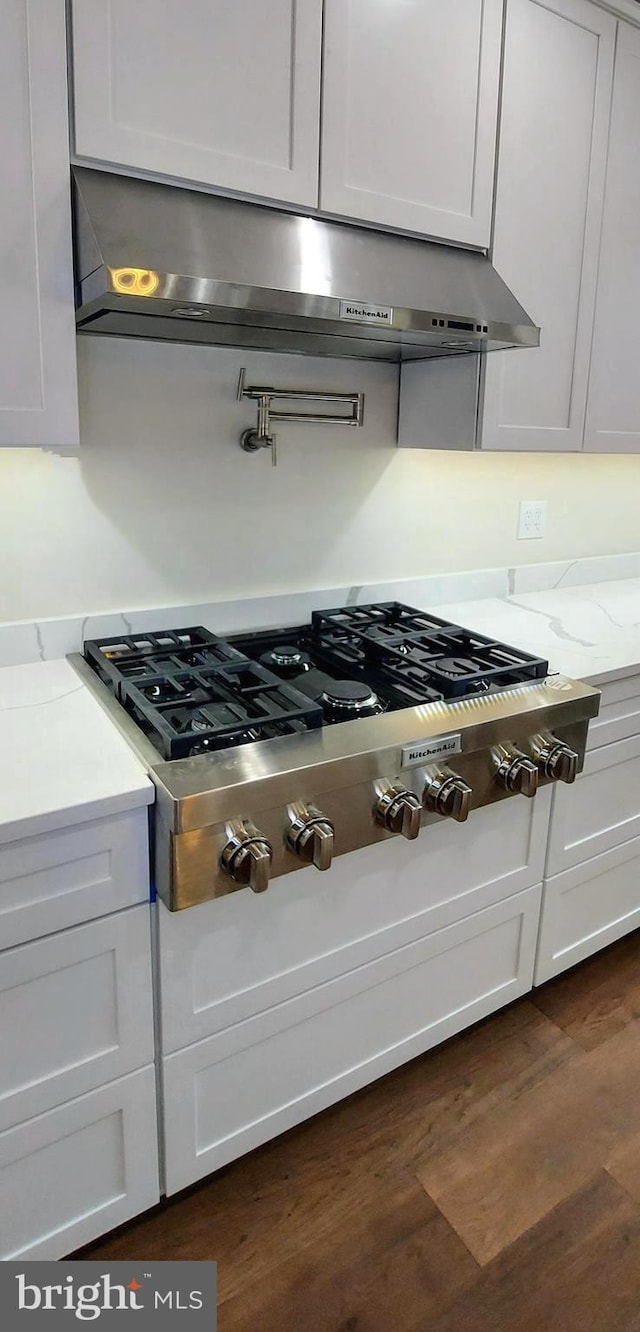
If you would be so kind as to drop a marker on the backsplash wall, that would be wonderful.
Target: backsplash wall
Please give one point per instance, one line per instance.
(162, 506)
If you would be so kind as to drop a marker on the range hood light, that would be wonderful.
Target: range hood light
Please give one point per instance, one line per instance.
(135, 281)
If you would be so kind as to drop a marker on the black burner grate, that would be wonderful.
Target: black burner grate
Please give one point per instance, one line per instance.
(412, 648)
(193, 692)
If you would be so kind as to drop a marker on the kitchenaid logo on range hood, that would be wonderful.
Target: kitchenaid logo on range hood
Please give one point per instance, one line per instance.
(363, 313)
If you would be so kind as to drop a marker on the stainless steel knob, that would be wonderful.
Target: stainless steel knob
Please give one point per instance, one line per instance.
(555, 759)
(247, 856)
(447, 794)
(311, 835)
(514, 771)
(399, 810)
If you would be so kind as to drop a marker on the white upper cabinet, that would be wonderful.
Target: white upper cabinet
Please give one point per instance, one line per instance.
(410, 98)
(221, 92)
(558, 68)
(613, 413)
(38, 393)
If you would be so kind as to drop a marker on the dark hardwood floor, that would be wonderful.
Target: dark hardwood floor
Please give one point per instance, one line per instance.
(492, 1185)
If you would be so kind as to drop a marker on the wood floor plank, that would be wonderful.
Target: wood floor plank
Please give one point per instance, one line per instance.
(624, 1164)
(506, 1171)
(289, 1195)
(526, 1135)
(578, 1270)
(597, 1000)
(397, 1254)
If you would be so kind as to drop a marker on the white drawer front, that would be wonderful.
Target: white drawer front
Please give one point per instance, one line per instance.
(619, 714)
(76, 1011)
(600, 811)
(587, 908)
(78, 1171)
(233, 957)
(235, 1090)
(61, 878)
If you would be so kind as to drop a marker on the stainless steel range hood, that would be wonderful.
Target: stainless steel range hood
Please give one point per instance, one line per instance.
(159, 261)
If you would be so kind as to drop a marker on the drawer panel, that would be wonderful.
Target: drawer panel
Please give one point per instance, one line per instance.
(602, 809)
(619, 715)
(76, 1011)
(587, 908)
(240, 1088)
(73, 874)
(230, 958)
(78, 1171)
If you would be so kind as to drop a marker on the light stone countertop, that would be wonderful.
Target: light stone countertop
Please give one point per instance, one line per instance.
(591, 632)
(61, 760)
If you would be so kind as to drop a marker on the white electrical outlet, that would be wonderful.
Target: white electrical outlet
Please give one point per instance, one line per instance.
(532, 519)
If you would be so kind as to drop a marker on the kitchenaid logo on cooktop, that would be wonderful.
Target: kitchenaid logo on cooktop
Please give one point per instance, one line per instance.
(364, 313)
(154, 1295)
(423, 750)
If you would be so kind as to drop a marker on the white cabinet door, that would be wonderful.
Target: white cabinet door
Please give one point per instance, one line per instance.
(72, 1174)
(76, 1010)
(613, 413)
(38, 392)
(235, 957)
(223, 92)
(225, 1095)
(601, 811)
(558, 68)
(410, 95)
(588, 907)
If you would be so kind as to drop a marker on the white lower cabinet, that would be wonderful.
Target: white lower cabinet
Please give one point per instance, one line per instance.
(587, 908)
(241, 1087)
(591, 894)
(601, 811)
(69, 875)
(75, 1011)
(71, 1174)
(78, 1126)
(619, 715)
(232, 958)
(275, 1006)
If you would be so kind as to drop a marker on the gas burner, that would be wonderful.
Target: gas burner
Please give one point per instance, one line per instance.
(343, 700)
(286, 660)
(456, 668)
(200, 723)
(212, 741)
(162, 691)
(210, 744)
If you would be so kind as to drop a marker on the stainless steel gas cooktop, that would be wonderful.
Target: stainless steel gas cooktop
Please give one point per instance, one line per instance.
(275, 750)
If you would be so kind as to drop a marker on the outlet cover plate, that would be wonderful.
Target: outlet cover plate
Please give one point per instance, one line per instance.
(532, 520)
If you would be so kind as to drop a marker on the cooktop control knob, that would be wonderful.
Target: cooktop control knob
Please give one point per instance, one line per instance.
(554, 758)
(247, 856)
(514, 771)
(447, 794)
(311, 835)
(399, 810)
